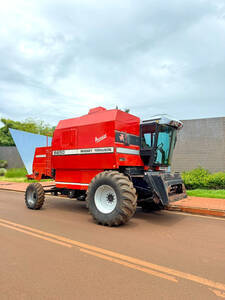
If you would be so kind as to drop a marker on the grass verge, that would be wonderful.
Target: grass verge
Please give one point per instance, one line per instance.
(207, 193)
(20, 179)
(13, 179)
(18, 175)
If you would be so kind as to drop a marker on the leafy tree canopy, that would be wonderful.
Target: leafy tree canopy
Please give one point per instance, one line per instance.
(28, 125)
(127, 110)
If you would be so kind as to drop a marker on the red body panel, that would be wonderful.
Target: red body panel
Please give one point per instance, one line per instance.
(42, 164)
(82, 147)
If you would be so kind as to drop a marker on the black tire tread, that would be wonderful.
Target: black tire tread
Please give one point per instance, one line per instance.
(40, 195)
(129, 196)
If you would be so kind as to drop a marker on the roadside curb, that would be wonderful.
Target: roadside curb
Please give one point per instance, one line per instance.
(197, 210)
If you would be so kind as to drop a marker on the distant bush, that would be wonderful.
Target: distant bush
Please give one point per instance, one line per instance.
(216, 181)
(20, 172)
(2, 171)
(3, 163)
(201, 178)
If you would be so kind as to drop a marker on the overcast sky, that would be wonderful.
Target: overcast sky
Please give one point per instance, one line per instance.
(58, 59)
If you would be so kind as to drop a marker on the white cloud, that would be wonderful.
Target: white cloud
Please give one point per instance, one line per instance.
(60, 58)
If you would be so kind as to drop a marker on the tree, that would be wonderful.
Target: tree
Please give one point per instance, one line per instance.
(127, 110)
(28, 125)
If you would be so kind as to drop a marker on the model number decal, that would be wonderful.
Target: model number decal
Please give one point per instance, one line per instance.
(59, 152)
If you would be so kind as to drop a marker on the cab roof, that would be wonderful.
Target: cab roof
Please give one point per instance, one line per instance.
(164, 120)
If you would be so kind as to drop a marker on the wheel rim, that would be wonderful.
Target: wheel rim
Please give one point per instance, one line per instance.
(105, 199)
(31, 197)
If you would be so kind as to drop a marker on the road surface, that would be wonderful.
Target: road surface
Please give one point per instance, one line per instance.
(58, 252)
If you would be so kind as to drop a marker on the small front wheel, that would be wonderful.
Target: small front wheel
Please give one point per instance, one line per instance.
(34, 196)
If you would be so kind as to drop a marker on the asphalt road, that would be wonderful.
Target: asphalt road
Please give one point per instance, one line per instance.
(60, 253)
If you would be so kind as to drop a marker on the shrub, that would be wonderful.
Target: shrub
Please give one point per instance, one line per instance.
(2, 171)
(3, 163)
(20, 172)
(201, 178)
(216, 180)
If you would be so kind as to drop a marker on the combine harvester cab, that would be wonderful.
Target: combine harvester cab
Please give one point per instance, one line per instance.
(158, 139)
(111, 160)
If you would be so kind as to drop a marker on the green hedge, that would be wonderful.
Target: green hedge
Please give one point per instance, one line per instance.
(2, 171)
(201, 178)
(3, 163)
(16, 173)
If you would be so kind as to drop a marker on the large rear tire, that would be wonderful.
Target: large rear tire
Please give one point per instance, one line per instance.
(34, 196)
(111, 198)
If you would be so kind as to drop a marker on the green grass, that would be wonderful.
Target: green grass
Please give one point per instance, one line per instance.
(21, 179)
(13, 179)
(17, 175)
(207, 193)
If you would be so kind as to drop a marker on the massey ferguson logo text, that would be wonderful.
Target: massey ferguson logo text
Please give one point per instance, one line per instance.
(97, 140)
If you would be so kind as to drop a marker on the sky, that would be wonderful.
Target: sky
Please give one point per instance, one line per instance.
(58, 59)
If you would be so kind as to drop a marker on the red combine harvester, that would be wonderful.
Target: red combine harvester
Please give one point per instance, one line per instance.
(111, 160)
